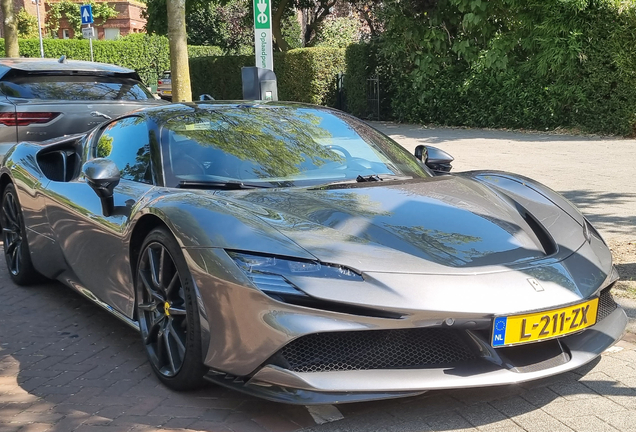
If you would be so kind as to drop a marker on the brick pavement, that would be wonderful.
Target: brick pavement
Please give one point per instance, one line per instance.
(66, 365)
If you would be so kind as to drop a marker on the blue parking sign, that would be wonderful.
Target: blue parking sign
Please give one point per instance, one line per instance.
(86, 12)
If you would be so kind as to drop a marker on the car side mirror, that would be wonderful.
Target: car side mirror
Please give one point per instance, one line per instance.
(205, 97)
(102, 175)
(436, 159)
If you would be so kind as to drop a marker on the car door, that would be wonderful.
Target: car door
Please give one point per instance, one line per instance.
(93, 244)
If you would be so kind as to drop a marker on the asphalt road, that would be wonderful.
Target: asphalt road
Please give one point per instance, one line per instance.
(68, 366)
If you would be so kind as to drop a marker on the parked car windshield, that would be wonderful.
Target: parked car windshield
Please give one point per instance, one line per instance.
(284, 146)
(80, 88)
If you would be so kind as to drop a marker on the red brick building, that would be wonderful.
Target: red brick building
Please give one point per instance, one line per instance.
(31, 7)
(129, 19)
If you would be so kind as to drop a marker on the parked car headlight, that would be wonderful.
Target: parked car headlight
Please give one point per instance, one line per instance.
(269, 273)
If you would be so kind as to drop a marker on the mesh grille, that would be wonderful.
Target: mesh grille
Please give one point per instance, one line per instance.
(377, 349)
(606, 304)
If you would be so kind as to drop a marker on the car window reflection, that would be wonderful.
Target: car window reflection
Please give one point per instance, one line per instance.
(126, 142)
(283, 145)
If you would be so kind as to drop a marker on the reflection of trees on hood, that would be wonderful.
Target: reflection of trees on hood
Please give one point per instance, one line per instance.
(277, 140)
(446, 247)
(317, 205)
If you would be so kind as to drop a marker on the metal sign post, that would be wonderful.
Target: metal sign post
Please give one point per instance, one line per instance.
(263, 34)
(86, 13)
(37, 7)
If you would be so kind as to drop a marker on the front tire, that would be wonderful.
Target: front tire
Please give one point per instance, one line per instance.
(168, 313)
(16, 247)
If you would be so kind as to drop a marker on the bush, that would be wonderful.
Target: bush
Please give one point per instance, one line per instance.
(304, 75)
(338, 32)
(203, 51)
(534, 64)
(360, 66)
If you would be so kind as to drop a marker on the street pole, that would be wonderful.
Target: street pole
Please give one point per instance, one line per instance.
(90, 42)
(37, 7)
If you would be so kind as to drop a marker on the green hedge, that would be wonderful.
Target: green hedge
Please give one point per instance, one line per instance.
(148, 55)
(514, 63)
(304, 75)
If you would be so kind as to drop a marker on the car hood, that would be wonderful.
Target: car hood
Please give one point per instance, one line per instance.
(442, 225)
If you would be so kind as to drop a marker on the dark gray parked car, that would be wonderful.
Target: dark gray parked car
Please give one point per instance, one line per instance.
(46, 98)
(295, 253)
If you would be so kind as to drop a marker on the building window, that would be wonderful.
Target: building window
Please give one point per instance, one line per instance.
(66, 34)
(111, 33)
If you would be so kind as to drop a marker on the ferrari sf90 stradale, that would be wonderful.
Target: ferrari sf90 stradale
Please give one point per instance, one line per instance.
(296, 253)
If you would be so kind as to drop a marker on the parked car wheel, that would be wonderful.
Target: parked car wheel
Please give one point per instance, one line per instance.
(168, 313)
(16, 248)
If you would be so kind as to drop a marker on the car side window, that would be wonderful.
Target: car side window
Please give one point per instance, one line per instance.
(126, 142)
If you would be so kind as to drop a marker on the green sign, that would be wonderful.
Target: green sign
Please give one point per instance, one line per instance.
(262, 14)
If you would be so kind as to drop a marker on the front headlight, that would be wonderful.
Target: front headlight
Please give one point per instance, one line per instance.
(269, 273)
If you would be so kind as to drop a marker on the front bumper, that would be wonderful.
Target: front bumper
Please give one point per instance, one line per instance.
(245, 334)
(307, 388)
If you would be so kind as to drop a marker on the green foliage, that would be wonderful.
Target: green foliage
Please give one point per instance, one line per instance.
(290, 28)
(338, 32)
(512, 63)
(148, 55)
(361, 65)
(304, 75)
(203, 51)
(27, 25)
(71, 11)
(226, 24)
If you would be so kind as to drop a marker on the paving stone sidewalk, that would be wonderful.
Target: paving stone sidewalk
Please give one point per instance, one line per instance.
(66, 365)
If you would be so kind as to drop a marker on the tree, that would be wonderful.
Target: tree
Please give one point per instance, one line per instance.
(27, 25)
(10, 27)
(228, 23)
(178, 39)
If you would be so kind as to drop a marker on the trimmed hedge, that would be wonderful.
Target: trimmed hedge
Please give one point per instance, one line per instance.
(304, 75)
(513, 63)
(148, 55)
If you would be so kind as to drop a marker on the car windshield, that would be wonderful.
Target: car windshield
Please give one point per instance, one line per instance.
(279, 146)
(79, 88)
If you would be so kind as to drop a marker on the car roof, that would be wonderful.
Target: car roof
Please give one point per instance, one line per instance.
(42, 65)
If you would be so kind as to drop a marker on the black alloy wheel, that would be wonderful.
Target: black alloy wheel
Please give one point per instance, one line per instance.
(168, 313)
(16, 248)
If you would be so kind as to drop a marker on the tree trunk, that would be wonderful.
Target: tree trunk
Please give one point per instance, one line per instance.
(10, 29)
(281, 43)
(179, 66)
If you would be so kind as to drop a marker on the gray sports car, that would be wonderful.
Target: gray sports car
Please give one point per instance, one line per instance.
(296, 253)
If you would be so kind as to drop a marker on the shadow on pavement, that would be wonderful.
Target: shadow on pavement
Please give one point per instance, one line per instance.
(78, 365)
(586, 200)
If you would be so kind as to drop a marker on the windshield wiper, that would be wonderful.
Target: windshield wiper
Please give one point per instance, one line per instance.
(369, 178)
(363, 179)
(202, 184)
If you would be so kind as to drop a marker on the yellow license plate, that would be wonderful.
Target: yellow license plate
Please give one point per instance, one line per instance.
(537, 326)
(167, 92)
